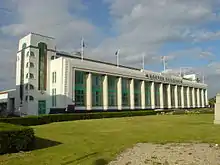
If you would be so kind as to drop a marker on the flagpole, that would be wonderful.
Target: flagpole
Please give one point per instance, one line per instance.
(117, 58)
(164, 63)
(82, 48)
(143, 62)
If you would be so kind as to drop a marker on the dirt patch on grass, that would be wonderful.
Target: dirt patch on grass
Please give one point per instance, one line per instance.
(170, 154)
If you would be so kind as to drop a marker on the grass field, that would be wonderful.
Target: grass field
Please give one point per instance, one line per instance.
(95, 142)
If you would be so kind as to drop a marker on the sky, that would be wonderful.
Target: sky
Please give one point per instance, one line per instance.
(186, 32)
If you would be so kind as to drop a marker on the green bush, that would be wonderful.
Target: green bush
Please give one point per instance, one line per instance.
(45, 119)
(14, 138)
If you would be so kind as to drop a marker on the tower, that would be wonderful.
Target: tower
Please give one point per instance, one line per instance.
(32, 73)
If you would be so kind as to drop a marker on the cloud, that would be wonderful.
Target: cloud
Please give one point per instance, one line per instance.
(140, 27)
(143, 26)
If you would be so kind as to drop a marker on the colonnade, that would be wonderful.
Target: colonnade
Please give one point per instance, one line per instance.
(161, 95)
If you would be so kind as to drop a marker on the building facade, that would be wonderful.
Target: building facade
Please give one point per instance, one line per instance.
(47, 79)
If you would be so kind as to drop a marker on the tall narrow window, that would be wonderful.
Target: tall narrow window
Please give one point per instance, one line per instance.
(97, 88)
(112, 91)
(54, 99)
(137, 93)
(148, 94)
(80, 88)
(42, 73)
(22, 71)
(172, 87)
(125, 92)
(157, 94)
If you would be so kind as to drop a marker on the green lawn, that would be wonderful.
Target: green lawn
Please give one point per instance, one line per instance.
(94, 142)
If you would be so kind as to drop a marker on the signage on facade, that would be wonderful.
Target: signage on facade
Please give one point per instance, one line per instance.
(162, 78)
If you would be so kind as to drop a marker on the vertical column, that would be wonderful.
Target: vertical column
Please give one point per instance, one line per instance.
(105, 92)
(188, 97)
(89, 92)
(176, 96)
(169, 96)
(119, 94)
(203, 101)
(152, 95)
(206, 98)
(198, 97)
(143, 95)
(182, 96)
(161, 96)
(193, 97)
(132, 94)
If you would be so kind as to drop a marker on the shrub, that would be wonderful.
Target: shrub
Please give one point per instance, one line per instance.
(45, 119)
(14, 138)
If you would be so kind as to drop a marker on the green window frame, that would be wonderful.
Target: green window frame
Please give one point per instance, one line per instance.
(97, 90)
(172, 92)
(179, 96)
(137, 93)
(22, 71)
(80, 88)
(148, 93)
(42, 70)
(125, 92)
(112, 91)
(191, 98)
(165, 96)
(185, 96)
(196, 99)
(157, 94)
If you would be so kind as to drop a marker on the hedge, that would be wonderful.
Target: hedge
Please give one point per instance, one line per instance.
(14, 138)
(45, 119)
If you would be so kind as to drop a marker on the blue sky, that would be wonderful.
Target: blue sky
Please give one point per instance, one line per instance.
(187, 32)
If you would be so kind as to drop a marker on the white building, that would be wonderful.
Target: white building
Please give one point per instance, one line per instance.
(49, 80)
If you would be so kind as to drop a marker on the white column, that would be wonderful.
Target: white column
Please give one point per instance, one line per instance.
(182, 96)
(198, 97)
(206, 98)
(202, 94)
(176, 96)
(89, 92)
(161, 96)
(193, 97)
(132, 94)
(152, 95)
(188, 97)
(143, 106)
(169, 96)
(119, 94)
(105, 92)
(217, 110)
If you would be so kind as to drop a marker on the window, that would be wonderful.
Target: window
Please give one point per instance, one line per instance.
(54, 77)
(125, 92)
(80, 88)
(30, 75)
(31, 87)
(97, 90)
(52, 57)
(27, 53)
(54, 99)
(137, 93)
(148, 93)
(112, 91)
(157, 94)
(42, 70)
(30, 64)
(29, 98)
(32, 54)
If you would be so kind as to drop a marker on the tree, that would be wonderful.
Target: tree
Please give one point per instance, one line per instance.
(212, 102)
